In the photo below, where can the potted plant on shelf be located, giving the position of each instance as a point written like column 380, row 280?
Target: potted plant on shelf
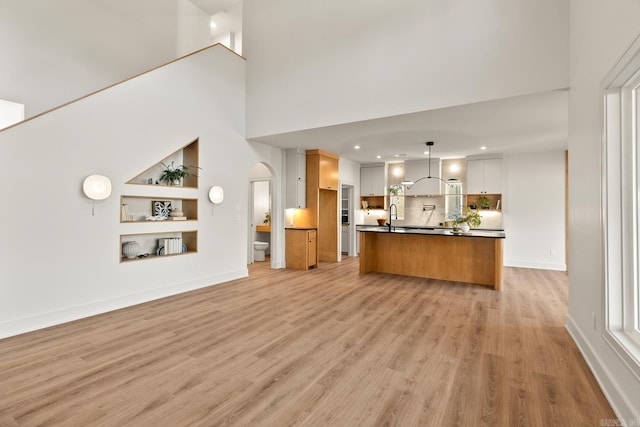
column 395, row 190
column 465, row 220
column 484, row 202
column 173, row 175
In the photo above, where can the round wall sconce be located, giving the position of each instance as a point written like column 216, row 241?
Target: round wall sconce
column 216, row 195
column 96, row 187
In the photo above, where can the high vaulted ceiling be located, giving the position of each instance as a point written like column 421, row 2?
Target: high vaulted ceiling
column 529, row 123
column 226, row 13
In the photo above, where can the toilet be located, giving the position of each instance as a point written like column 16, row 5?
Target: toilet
column 259, row 249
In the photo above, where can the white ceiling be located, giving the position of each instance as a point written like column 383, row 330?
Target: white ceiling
column 536, row 122
column 529, row 123
column 212, row 7
column 227, row 15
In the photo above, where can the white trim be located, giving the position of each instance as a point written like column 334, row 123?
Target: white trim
column 45, row 320
column 622, row 344
column 273, row 212
column 537, row 265
column 278, row 264
column 619, row 208
column 623, row 409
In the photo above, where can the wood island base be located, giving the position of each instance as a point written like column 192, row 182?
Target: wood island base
column 475, row 260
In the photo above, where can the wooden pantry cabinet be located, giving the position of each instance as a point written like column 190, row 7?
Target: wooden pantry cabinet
column 322, row 201
column 301, row 248
column 322, row 170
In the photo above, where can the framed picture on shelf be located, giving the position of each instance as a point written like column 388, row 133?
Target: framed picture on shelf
column 161, row 208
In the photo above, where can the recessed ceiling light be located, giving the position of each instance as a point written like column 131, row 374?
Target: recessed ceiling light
column 483, row 148
column 378, row 157
column 357, row 147
column 399, row 155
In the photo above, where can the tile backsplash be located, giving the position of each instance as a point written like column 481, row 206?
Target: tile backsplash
column 426, row 211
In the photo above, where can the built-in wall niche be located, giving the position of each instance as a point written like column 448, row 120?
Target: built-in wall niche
column 187, row 156
column 139, row 208
column 157, row 245
column 493, row 200
column 372, row 202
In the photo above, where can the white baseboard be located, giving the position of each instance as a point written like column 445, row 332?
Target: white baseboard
column 45, row 320
column 537, row 265
column 616, row 397
column 278, row 264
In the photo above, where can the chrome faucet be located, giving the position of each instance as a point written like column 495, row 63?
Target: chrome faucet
column 392, row 205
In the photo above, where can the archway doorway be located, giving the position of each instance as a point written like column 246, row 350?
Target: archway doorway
column 260, row 214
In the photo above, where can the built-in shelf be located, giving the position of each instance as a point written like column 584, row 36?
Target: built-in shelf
column 150, row 244
column 187, row 156
column 379, row 202
column 167, row 232
column 137, row 208
column 372, row 202
column 495, row 200
column 263, row 228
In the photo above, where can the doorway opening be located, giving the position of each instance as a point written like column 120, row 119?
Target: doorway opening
column 347, row 219
column 260, row 211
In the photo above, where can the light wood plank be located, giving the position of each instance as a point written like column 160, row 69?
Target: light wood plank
column 313, row 348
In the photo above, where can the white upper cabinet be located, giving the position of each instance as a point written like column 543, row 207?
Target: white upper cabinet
column 484, row 176
column 493, row 176
column 475, row 176
column 416, row 169
column 372, row 182
column 296, row 190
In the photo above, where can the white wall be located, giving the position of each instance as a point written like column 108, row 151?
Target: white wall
column 259, row 172
column 10, row 113
column 534, row 210
column 382, row 58
column 58, row 50
column 193, row 28
column 59, row 262
column 349, row 173
column 600, row 34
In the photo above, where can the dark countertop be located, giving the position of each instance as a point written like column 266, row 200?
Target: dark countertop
column 433, row 231
column 424, row 227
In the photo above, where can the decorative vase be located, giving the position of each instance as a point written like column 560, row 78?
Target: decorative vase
column 130, row 249
column 465, row 227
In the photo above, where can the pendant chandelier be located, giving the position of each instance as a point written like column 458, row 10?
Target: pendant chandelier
column 410, row 184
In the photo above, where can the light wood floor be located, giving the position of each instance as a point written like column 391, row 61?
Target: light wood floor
column 325, row 347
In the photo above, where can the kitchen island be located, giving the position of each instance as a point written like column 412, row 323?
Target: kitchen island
column 473, row 257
